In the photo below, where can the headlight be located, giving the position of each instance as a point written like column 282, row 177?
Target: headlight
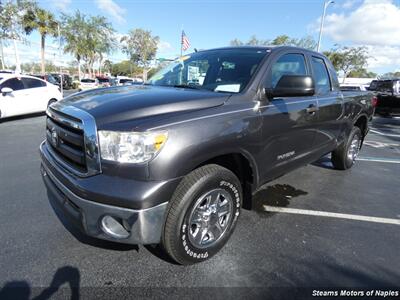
column 131, row 147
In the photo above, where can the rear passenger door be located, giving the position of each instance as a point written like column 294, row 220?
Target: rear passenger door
column 330, row 105
column 288, row 122
column 36, row 92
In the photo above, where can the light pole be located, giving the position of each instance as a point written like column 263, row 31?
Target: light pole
column 59, row 50
column 326, row 4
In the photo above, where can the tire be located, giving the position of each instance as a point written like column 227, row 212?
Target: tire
column 51, row 101
column 344, row 156
column 215, row 194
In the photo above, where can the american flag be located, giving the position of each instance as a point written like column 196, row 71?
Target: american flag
column 185, row 41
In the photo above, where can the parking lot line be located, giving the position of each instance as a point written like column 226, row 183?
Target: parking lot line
column 297, row 211
column 384, row 134
column 379, row 159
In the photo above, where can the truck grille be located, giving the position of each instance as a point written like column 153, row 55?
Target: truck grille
column 71, row 138
column 67, row 142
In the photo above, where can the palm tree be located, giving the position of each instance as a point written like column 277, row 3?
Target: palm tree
column 87, row 38
column 45, row 23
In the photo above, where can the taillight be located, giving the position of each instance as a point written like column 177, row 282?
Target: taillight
column 374, row 101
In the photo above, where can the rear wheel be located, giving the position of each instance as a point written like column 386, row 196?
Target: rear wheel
column 344, row 156
column 202, row 214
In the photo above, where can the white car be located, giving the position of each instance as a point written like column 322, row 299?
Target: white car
column 88, row 84
column 22, row 94
column 346, row 87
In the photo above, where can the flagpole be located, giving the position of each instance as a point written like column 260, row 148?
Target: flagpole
column 181, row 41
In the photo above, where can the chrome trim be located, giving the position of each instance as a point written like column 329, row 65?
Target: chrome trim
column 91, row 140
column 53, row 114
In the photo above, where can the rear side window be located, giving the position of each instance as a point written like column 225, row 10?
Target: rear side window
column 334, row 78
column 321, row 76
column 31, row 83
column 14, row 83
column 88, row 80
column 288, row 64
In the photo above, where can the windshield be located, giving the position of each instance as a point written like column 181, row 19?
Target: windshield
column 51, row 79
column 226, row 70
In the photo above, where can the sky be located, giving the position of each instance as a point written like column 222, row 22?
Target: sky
column 214, row 23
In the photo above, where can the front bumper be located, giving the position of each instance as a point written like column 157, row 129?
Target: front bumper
column 143, row 226
column 138, row 207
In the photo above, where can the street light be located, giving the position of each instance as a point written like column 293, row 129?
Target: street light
column 326, row 4
column 59, row 50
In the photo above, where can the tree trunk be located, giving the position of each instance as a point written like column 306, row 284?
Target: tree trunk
column 79, row 70
column 344, row 77
column 3, row 66
column 42, row 45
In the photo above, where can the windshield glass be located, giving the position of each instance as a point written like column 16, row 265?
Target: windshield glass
column 225, row 70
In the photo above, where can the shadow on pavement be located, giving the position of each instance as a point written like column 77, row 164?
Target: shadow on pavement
column 278, row 195
column 22, row 290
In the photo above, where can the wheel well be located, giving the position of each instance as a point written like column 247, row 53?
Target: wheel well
column 362, row 124
column 240, row 166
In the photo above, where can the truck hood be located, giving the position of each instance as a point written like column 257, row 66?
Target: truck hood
column 118, row 104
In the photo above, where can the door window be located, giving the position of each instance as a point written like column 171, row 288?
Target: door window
column 14, row 83
column 288, row 64
column 321, row 76
column 31, row 83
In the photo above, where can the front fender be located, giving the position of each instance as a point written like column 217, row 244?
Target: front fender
column 194, row 142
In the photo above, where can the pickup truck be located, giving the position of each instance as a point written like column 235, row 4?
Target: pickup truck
column 387, row 96
column 173, row 161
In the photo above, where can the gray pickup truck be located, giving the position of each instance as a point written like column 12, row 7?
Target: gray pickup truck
column 173, row 161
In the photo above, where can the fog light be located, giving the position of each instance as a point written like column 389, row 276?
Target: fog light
column 113, row 228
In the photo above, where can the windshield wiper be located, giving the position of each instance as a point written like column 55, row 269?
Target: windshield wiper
column 186, row 86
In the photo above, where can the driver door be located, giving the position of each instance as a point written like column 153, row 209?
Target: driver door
column 288, row 129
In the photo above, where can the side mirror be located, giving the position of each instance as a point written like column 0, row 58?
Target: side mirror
column 6, row 90
column 293, row 86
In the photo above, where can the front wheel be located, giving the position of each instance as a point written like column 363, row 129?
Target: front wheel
column 202, row 214
column 344, row 156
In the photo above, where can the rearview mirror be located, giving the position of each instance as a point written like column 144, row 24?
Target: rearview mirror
column 293, row 86
column 6, row 90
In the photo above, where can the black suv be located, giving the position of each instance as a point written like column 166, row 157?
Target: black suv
column 388, row 96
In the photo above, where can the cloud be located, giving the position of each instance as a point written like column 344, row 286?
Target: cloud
column 384, row 56
column 349, row 4
column 164, row 47
column 61, row 5
column 372, row 23
column 113, row 9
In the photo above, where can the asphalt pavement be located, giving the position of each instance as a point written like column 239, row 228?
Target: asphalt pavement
column 269, row 250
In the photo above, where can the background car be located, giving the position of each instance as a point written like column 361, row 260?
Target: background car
column 88, row 84
column 22, row 94
column 67, row 80
column 353, row 87
column 388, row 96
column 123, row 80
column 48, row 78
column 103, row 81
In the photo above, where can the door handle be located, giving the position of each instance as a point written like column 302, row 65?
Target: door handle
column 312, row 109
